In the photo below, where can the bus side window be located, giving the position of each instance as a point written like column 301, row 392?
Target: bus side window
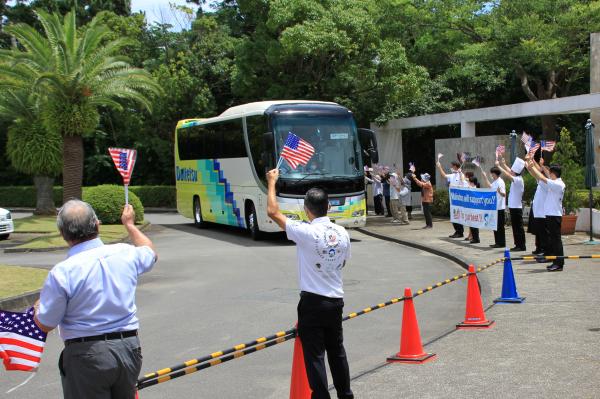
column 262, row 157
column 232, row 133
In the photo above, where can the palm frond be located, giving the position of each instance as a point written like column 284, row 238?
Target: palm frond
column 31, row 40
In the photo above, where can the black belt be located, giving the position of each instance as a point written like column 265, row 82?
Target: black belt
column 103, row 337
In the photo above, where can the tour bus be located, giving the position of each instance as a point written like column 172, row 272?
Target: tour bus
column 221, row 164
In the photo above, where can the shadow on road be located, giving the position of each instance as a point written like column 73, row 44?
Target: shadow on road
column 231, row 235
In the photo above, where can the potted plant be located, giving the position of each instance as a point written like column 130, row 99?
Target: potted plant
column 572, row 175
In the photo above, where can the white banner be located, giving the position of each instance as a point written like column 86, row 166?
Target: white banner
column 474, row 207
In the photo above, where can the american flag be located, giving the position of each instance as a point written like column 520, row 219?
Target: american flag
column 525, row 138
column 21, row 341
column 532, row 147
column 548, row 145
column 297, row 151
column 124, row 160
column 476, row 161
column 500, row 149
column 411, row 167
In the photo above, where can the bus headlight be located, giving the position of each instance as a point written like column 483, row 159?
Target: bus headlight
column 292, row 216
column 358, row 213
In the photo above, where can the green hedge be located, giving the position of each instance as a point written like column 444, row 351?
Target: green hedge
column 441, row 203
column 24, row 196
column 108, row 202
column 583, row 198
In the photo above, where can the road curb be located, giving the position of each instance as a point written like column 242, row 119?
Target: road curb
column 20, row 302
column 456, row 259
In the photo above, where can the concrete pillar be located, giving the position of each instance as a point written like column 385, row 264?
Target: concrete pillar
column 389, row 142
column 467, row 129
column 595, row 88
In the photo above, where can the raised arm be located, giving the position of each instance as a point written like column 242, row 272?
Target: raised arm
column 505, row 169
column 419, row 182
column 272, row 205
column 136, row 237
column 442, row 172
column 486, row 180
column 532, row 168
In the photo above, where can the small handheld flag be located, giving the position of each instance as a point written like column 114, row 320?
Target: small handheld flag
column 525, row 138
column 296, row 151
column 500, row 149
column 547, row 145
column 532, row 148
column 411, row 167
column 440, row 155
column 476, row 161
column 21, row 341
column 124, row 160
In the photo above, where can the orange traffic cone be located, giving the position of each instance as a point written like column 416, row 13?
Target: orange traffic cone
column 299, row 388
column 411, row 349
column 474, row 314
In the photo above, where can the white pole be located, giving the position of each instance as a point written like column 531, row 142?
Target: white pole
column 126, row 194
column 279, row 163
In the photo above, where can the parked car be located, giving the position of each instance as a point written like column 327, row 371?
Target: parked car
column 6, row 224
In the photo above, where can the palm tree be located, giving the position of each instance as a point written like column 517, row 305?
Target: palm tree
column 79, row 73
column 31, row 148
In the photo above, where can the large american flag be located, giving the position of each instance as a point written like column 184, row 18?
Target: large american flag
column 21, row 341
column 297, row 151
column 548, row 145
column 124, row 160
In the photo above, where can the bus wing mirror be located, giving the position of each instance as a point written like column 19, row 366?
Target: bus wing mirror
column 369, row 142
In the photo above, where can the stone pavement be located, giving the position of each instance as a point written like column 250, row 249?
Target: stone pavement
column 546, row 347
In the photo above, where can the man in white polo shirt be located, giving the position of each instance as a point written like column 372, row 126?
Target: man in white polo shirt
column 454, row 179
column 555, row 190
column 515, row 201
column 500, row 187
column 323, row 249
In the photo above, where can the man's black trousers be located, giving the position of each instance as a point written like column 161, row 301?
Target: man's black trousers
column 555, row 247
column 458, row 228
column 320, row 330
column 377, row 202
column 499, row 233
column 388, row 206
column 516, row 220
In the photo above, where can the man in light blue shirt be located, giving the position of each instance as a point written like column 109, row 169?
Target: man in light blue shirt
column 90, row 297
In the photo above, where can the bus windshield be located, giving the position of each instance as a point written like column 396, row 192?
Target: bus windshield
column 334, row 137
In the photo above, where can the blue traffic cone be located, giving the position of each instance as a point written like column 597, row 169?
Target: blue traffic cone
column 509, row 288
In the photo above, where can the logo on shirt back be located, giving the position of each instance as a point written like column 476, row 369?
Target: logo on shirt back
column 328, row 247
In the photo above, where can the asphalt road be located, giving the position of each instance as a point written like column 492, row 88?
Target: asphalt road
column 214, row 288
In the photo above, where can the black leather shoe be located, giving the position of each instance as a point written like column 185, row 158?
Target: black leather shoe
column 517, row 249
column 554, row 268
column 474, row 242
column 537, row 252
column 496, row 246
column 544, row 261
column 456, row 235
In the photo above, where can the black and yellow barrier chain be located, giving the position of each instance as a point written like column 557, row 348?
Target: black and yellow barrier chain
column 215, row 362
column 216, row 358
column 552, row 257
column 215, row 355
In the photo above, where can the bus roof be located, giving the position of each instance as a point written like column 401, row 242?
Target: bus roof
column 256, row 108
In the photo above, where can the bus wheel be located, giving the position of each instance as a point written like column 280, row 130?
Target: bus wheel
column 252, row 223
column 198, row 213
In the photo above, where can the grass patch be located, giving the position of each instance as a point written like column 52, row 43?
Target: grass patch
column 18, row 280
column 108, row 234
column 36, row 224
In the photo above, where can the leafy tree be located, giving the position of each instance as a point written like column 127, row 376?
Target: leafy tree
column 31, row 148
column 565, row 156
column 79, row 75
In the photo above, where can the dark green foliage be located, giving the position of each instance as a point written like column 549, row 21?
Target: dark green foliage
column 150, row 196
column 108, row 202
column 530, row 187
column 441, row 203
column 34, row 150
column 583, row 199
column 565, row 155
column 156, row 196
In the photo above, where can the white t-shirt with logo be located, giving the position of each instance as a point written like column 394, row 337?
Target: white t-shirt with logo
column 555, row 189
column 499, row 183
column 539, row 200
column 454, row 179
column 515, row 196
column 323, row 249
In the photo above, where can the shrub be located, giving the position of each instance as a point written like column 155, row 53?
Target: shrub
column 24, row 196
column 156, row 196
column 108, row 202
column 530, row 187
column 441, row 203
column 572, row 173
column 583, row 199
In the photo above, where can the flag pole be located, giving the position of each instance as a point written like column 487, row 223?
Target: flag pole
column 279, row 162
column 126, row 194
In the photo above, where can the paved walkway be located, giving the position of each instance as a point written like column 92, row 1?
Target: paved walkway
column 546, row 347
